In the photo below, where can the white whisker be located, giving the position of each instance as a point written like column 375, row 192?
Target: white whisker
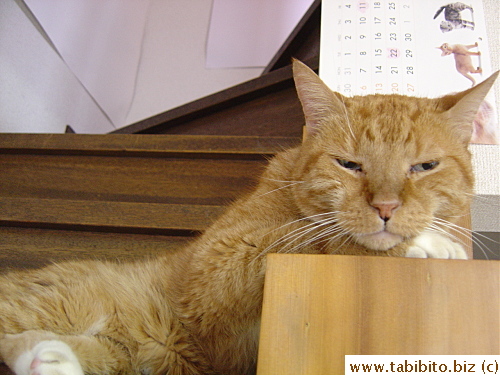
column 288, row 242
column 347, row 119
column 347, row 240
column 317, row 237
column 303, row 219
column 465, row 231
column 286, row 181
column 333, row 228
column 283, row 187
column 306, row 230
column 462, row 229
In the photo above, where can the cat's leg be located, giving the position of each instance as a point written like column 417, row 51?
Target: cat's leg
column 38, row 353
column 469, row 46
column 50, row 357
column 435, row 245
column 45, row 353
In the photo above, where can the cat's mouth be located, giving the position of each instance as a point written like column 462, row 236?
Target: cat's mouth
column 381, row 241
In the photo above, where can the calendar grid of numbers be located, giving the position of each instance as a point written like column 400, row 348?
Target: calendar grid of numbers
column 376, row 52
column 408, row 47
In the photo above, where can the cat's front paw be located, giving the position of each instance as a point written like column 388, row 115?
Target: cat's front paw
column 52, row 357
column 434, row 245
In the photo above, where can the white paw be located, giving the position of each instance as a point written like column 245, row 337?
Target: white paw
column 434, row 245
column 51, row 357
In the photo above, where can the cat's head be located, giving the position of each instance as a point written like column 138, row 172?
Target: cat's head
column 446, row 26
column 445, row 49
column 384, row 166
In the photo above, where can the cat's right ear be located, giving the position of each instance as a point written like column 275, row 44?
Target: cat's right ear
column 319, row 103
column 461, row 108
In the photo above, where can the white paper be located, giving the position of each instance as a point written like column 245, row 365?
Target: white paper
column 39, row 94
column 101, row 43
column 248, row 33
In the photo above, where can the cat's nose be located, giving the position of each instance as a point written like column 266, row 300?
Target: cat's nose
column 386, row 208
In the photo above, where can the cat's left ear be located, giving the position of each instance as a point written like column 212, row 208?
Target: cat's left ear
column 318, row 101
column 461, row 108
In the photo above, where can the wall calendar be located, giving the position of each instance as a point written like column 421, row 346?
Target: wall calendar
column 410, row 47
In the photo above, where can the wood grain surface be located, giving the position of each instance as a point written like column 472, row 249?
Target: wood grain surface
column 318, row 308
column 118, row 196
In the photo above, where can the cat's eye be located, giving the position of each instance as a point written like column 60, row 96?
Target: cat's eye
column 423, row 167
column 349, row 165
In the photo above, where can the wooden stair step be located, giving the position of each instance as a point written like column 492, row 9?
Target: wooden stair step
column 264, row 106
column 122, row 217
column 167, row 169
column 36, row 247
column 159, row 145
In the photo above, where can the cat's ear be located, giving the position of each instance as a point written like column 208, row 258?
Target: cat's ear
column 318, row 101
column 460, row 109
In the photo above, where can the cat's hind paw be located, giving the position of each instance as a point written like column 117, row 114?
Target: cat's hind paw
column 52, row 357
column 434, row 245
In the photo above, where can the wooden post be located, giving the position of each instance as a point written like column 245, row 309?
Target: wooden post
column 319, row 308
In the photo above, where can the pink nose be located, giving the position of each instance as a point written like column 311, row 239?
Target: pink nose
column 386, row 208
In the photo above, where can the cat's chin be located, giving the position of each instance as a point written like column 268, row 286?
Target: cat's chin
column 380, row 241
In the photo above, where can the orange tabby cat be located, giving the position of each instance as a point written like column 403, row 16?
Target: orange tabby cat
column 377, row 175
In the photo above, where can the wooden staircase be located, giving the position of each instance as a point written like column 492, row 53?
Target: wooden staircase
column 151, row 186
column 72, row 196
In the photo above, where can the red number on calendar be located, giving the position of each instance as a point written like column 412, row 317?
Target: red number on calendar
column 393, row 53
column 362, row 6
